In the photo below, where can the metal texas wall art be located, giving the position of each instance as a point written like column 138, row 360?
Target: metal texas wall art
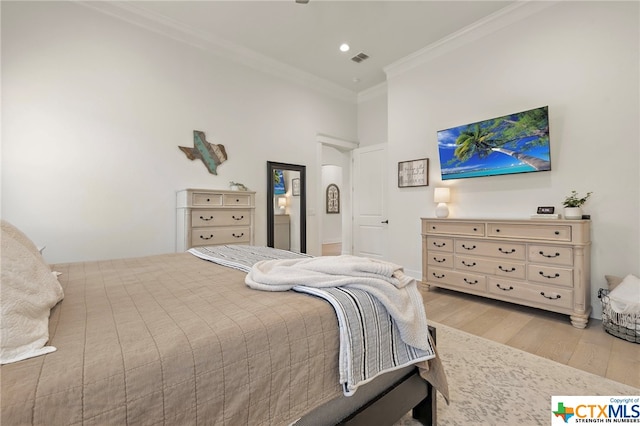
column 212, row 155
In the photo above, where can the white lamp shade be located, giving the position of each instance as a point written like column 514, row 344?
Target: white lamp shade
column 282, row 202
column 441, row 195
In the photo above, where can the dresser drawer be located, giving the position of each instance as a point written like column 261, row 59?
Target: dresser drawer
column 239, row 199
column 477, row 283
column 200, row 218
column 531, row 231
column 455, row 228
column 550, row 254
column 215, row 236
column 540, row 294
column 205, row 199
column 501, row 249
column 493, row 267
column 444, row 260
column 550, row 275
column 440, row 244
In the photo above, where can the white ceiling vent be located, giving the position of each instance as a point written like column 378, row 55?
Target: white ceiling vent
column 360, row 57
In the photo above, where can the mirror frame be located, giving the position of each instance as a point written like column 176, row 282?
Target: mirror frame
column 271, row 166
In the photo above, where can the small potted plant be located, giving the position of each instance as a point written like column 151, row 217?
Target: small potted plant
column 573, row 205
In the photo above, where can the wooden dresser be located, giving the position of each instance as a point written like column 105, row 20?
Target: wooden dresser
column 540, row 263
column 209, row 217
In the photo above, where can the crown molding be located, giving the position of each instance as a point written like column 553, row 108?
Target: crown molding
column 151, row 21
column 488, row 25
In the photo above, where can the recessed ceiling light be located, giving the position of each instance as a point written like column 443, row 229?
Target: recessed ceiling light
column 344, row 47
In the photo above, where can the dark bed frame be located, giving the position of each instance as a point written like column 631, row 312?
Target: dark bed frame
column 410, row 393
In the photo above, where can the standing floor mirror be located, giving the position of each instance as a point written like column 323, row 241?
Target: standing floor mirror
column 286, row 206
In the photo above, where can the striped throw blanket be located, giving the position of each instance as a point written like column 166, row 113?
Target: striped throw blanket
column 371, row 343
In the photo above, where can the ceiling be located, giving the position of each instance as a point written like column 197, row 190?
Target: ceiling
column 306, row 37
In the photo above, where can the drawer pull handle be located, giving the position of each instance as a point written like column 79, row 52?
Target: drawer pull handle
column 549, row 255
column 439, row 244
column 475, row 229
column 202, row 237
column 556, row 275
column 501, row 250
column 433, row 227
column 505, row 269
column 468, row 248
column 208, row 199
column 557, row 232
column 470, row 265
column 557, row 296
column 474, row 282
column 504, row 288
column 497, row 230
column 438, row 276
column 237, row 200
column 206, row 218
column 237, row 218
column 238, row 236
column 439, row 260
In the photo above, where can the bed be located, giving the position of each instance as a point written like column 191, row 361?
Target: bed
column 172, row 339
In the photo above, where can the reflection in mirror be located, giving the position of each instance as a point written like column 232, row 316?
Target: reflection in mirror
column 286, row 206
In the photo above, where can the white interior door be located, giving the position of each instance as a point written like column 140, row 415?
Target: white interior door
column 370, row 180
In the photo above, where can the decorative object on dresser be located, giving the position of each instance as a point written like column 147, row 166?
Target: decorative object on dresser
column 208, row 217
column 573, row 205
column 539, row 263
column 441, row 196
column 212, row 155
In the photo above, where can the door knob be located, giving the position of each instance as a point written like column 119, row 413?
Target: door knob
column 385, row 221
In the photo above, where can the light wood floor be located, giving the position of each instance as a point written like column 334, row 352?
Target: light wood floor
column 542, row 333
column 334, row 249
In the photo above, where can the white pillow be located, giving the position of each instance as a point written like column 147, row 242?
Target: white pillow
column 29, row 290
column 625, row 298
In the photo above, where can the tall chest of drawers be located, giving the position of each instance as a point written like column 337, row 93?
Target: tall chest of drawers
column 539, row 263
column 207, row 217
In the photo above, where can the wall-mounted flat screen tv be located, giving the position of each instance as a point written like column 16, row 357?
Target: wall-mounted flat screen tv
column 514, row 143
column 278, row 183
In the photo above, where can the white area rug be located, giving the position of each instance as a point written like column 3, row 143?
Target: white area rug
column 494, row 384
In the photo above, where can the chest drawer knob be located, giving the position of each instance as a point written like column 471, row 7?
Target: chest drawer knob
column 468, row 248
column 470, row 265
column 206, row 218
column 475, row 229
column 549, row 255
column 238, row 236
column 504, row 288
column 503, row 251
column 439, row 244
column 557, row 232
column 234, row 217
column 439, row 260
column 203, row 237
column 498, row 230
column 556, row 275
column 503, row 269
column 437, row 276
column 557, row 296
column 471, row 282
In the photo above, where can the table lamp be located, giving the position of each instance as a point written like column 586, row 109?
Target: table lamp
column 441, row 196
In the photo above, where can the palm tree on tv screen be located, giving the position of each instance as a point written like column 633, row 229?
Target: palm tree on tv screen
column 503, row 135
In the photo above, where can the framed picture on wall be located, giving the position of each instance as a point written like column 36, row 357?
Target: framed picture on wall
column 295, row 186
column 333, row 199
column 413, row 173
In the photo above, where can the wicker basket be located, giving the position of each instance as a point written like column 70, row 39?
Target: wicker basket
column 624, row 326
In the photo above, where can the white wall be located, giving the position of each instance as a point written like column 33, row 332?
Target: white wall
column 93, row 111
column 373, row 117
column 580, row 58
